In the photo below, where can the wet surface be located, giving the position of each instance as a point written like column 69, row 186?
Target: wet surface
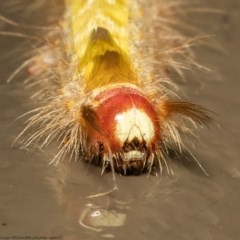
column 41, row 200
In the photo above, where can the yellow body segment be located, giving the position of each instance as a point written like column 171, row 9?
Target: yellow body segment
column 100, row 33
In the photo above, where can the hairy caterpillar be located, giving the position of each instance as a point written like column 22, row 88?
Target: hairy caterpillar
column 105, row 85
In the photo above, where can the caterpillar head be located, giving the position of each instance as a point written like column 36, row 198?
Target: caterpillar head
column 125, row 130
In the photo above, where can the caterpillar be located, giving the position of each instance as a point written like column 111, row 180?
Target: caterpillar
column 105, row 84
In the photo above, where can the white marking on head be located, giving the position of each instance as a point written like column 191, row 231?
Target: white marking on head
column 134, row 123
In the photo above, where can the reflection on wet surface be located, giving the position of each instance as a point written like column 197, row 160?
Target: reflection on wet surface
column 38, row 199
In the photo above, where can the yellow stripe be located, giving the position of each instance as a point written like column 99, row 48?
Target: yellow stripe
column 100, row 33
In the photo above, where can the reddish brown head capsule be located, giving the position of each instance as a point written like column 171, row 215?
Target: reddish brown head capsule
column 127, row 131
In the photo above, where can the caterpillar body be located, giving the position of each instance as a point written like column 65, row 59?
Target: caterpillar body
column 104, row 85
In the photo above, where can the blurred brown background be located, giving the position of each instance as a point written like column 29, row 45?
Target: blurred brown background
column 188, row 205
